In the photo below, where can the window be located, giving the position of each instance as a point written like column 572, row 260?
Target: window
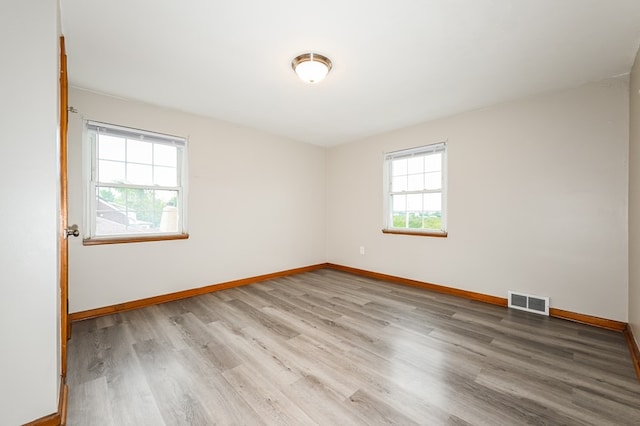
column 136, row 185
column 415, row 191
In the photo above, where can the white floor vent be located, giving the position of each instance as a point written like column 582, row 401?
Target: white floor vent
column 526, row 302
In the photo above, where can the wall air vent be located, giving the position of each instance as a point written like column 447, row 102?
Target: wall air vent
column 526, row 302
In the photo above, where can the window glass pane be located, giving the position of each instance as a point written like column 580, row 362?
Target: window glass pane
column 399, row 167
column 433, row 163
column 433, row 180
column 432, row 220
column 414, row 220
column 139, row 174
column 415, row 165
column 415, row 182
column 398, row 203
column 112, row 212
column 398, row 209
column 168, row 197
column 139, row 151
column 399, row 220
column 107, row 195
column 433, row 202
column 165, row 155
column 398, row 183
column 169, row 215
column 414, row 202
column 111, row 171
column 110, row 148
column 132, row 210
column 165, row 176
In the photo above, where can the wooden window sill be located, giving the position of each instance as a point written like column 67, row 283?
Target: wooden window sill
column 136, row 239
column 438, row 234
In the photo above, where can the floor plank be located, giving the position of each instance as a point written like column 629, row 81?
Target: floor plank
column 327, row 347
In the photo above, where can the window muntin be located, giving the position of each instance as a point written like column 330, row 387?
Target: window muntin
column 415, row 189
column 136, row 183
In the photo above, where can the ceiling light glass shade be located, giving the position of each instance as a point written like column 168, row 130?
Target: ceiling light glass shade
column 311, row 67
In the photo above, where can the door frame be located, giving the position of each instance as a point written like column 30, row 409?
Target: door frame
column 63, row 255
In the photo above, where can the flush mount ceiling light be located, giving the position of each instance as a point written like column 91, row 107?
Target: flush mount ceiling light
column 311, row 67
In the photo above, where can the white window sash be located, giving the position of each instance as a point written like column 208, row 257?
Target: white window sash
column 93, row 129
column 416, row 152
column 422, row 191
column 129, row 133
column 422, row 151
column 133, row 186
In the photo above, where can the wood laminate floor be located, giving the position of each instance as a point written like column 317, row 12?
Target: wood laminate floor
column 331, row 348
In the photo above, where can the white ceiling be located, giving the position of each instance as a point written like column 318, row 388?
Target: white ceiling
column 395, row 63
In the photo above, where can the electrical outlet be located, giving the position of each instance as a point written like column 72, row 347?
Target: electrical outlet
column 361, row 249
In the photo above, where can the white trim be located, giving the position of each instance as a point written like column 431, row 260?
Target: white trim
column 426, row 150
column 128, row 185
column 417, row 151
column 445, row 188
column 131, row 133
column 91, row 130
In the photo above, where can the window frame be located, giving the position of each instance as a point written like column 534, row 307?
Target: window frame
column 422, row 151
column 91, row 129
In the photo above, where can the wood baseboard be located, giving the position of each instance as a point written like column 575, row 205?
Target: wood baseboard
column 480, row 297
column 60, row 417
column 494, row 300
column 149, row 301
column 588, row 319
column 633, row 349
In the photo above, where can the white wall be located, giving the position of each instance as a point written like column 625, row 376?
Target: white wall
column 634, row 199
column 28, row 217
column 256, row 206
column 537, row 201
